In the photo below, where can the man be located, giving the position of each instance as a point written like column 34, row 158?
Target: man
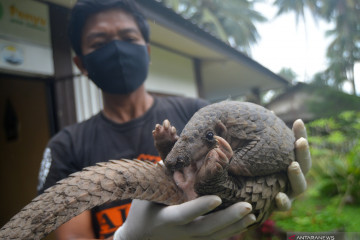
column 111, row 42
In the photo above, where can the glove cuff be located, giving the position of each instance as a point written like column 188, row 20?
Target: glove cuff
column 117, row 234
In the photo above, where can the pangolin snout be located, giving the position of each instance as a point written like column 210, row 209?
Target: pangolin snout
column 177, row 163
column 181, row 162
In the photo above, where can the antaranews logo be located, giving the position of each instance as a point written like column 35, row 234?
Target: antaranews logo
column 315, row 236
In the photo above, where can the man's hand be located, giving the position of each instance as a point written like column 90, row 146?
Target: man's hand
column 147, row 220
column 298, row 169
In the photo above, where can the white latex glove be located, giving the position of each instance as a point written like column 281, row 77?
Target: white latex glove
column 151, row 221
column 297, row 169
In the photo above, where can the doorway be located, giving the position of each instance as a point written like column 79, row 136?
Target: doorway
column 25, row 131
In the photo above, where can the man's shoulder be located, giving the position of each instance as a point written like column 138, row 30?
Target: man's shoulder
column 93, row 120
column 175, row 107
column 78, row 128
column 182, row 102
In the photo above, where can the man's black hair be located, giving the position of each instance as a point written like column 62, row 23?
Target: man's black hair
column 83, row 9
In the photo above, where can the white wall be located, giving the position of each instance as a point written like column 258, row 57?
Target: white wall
column 88, row 97
column 171, row 73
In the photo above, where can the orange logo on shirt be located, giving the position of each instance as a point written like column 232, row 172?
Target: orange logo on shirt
column 151, row 158
column 112, row 218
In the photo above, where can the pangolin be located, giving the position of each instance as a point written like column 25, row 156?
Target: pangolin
column 236, row 150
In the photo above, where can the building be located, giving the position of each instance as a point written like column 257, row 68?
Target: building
column 311, row 102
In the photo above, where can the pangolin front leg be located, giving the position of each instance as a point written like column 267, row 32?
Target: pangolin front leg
column 211, row 169
column 214, row 176
column 164, row 138
column 207, row 175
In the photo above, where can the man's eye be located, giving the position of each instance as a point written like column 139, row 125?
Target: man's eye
column 209, row 136
column 130, row 39
column 98, row 45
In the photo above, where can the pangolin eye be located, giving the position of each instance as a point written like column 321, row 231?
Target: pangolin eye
column 209, row 136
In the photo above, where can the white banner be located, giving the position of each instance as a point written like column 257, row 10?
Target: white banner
column 26, row 59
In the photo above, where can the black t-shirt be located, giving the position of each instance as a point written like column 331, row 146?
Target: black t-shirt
column 98, row 139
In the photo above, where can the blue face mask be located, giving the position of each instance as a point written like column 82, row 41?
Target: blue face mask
column 118, row 67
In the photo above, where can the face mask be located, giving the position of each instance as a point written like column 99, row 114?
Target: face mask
column 118, row 67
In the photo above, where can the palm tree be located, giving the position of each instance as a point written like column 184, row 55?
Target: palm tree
column 297, row 6
column 288, row 74
column 232, row 21
column 344, row 51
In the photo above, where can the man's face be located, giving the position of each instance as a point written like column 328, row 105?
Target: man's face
column 106, row 26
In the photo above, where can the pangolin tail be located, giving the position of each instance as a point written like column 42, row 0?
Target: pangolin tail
column 96, row 185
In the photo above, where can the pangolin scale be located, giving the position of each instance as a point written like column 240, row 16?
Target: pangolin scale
column 255, row 172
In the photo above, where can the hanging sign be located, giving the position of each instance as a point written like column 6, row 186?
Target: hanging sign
column 25, row 20
column 25, row 45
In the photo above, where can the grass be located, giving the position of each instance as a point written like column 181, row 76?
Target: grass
column 313, row 213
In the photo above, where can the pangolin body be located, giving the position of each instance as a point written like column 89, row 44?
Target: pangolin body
column 256, row 171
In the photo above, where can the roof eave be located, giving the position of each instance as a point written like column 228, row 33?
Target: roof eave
column 159, row 13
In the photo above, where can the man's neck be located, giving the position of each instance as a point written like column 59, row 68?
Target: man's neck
column 124, row 108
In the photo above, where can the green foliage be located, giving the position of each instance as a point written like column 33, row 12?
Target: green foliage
column 233, row 21
column 344, row 49
column 335, row 149
column 332, row 201
column 326, row 101
column 288, row 74
column 318, row 214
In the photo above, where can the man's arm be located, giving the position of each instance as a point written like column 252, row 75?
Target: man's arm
column 78, row 228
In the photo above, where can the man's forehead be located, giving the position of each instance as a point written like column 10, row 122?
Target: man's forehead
column 110, row 18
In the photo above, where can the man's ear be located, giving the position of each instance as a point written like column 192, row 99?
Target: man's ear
column 77, row 60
